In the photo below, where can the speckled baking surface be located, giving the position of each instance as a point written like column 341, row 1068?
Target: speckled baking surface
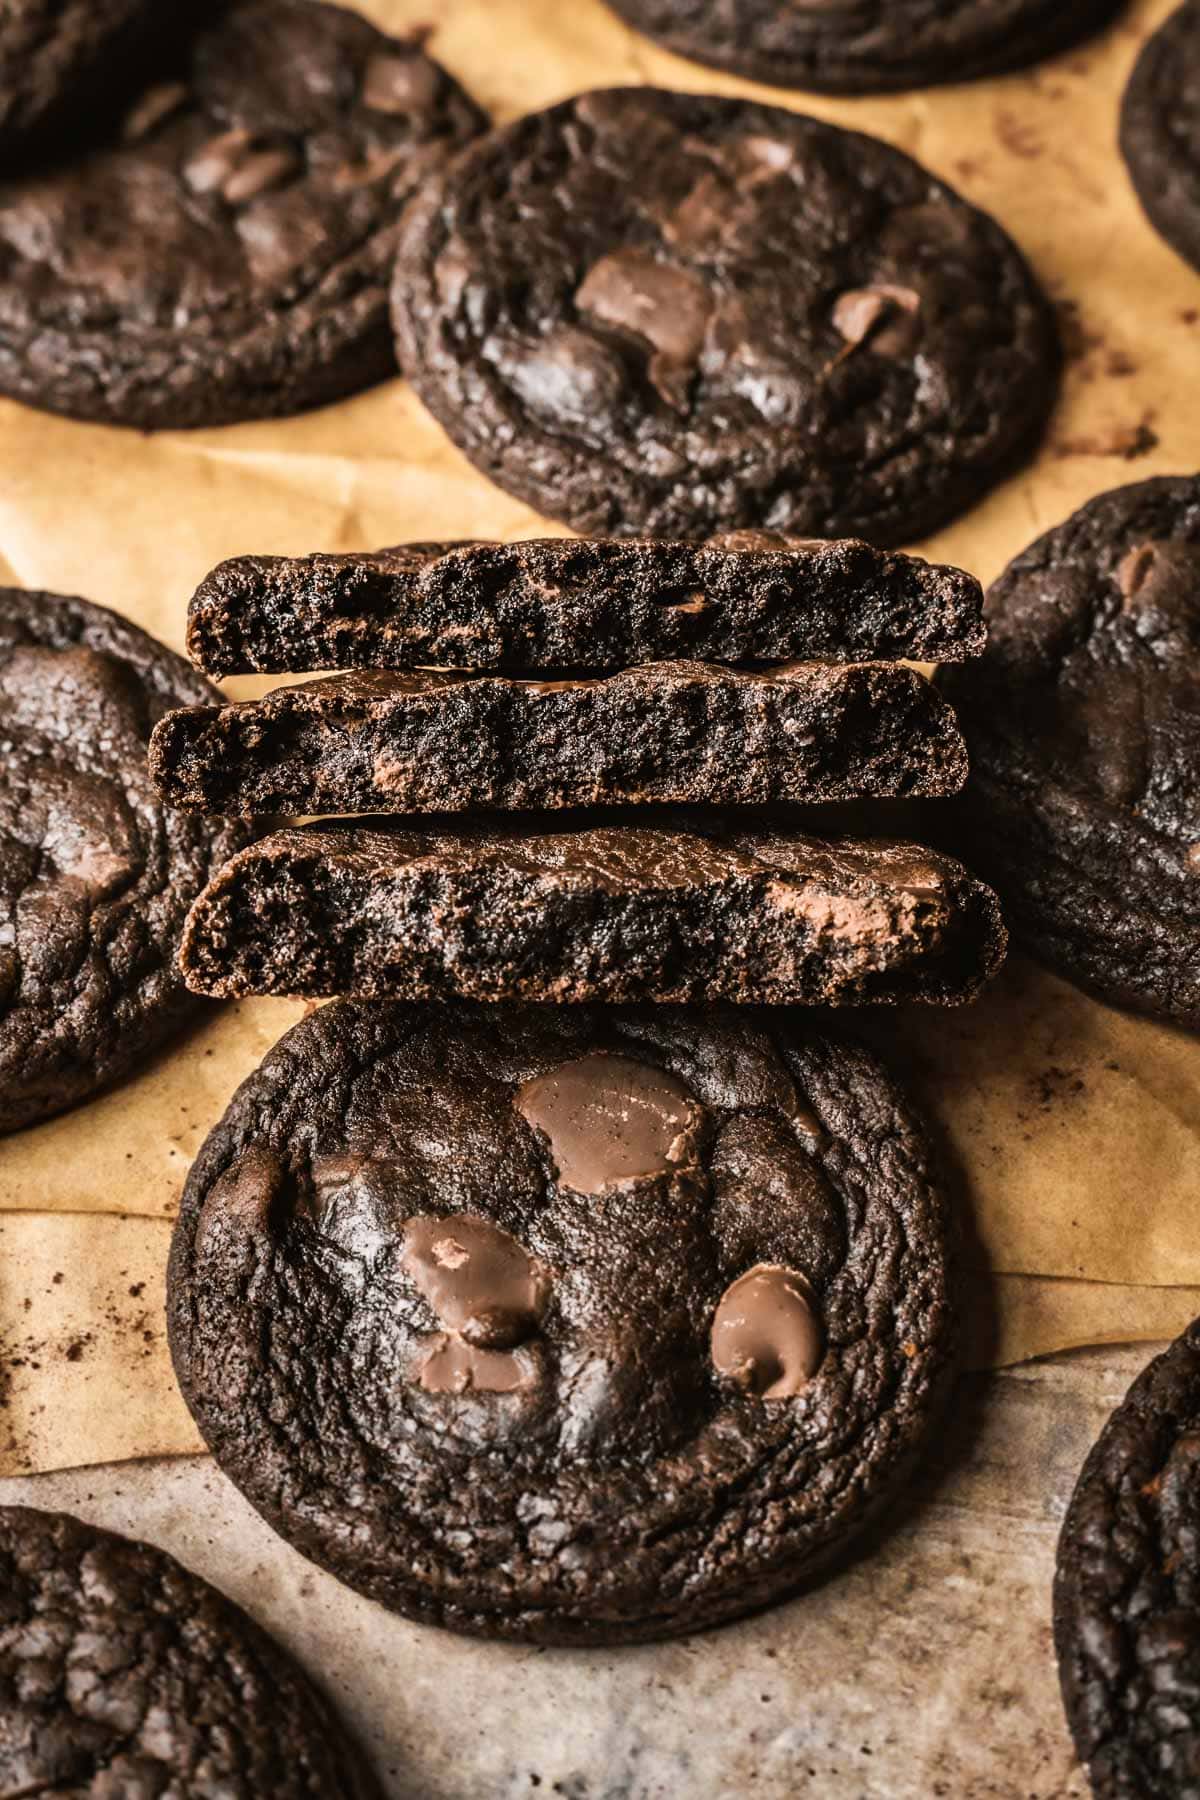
column 926, row 1668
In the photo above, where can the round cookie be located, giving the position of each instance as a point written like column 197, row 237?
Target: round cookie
column 865, row 46
column 56, row 54
column 557, row 1324
column 124, row 1677
column 676, row 315
column 1127, row 1590
column 96, row 874
column 1160, row 130
column 1082, row 719
column 249, row 200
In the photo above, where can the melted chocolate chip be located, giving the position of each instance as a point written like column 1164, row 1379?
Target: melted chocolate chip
column 454, row 1366
column 152, row 109
column 765, row 1333
column 478, row 1280
column 399, row 84
column 885, row 317
column 610, row 1120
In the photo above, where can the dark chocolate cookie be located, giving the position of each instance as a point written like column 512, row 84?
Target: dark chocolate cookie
column 249, row 203
column 664, row 732
column 1083, row 723
column 1160, row 130
column 1127, row 1590
column 124, row 1677
column 562, row 1324
column 55, row 56
column 866, row 46
column 624, row 912
column 670, row 315
column 567, row 603
column 96, row 875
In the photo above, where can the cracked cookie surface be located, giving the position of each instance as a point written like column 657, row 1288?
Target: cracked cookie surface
column 250, row 199
column 866, row 46
column 1082, row 720
column 1127, row 1590
column 124, row 1677
column 96, row 874
column 458, row 1298
column 671, row 315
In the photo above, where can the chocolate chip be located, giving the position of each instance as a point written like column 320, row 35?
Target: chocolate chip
column 659, row 305
column 212, row 165
column 886, row 317
column 152, row 108
column 259, row 172
column 765, row 1333
column 241, row 165
column 399, row 84
column 482, row 1285
column 609, row 1120
column 453, row 1366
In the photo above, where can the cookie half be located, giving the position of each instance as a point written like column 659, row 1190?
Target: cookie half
column 679, row 732
column 567, row 604
column 861, row 46
column 561, row 1324
column 672, row 315
column 249, row 200
column 1127, row 1590
column 1160, row 130
column 1083, row 722
column 96, row 874
column 123, row 1676
column 620, row 912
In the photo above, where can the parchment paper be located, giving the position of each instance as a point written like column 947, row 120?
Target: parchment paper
column 1071, row 1131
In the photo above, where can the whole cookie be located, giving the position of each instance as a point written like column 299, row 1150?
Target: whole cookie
column 96, row 874
column 675, row 315
column 124, row 1677
column 866, row 46
column 573, row 1326
column 249, row 202
column 1160, row 130
column 56, row 56
column 1083, row 724
column 1127, row 1590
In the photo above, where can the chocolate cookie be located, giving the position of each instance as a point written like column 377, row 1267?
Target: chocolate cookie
column 1127, row 1590
column 437, row 742
column 864, row 46
column 249, row 202
column 55, row 55
column 563, row 603
column 124, row 1677
column 669, row 315
column 562, row 1324
column 1160, row 130
column 1083, row 722
column 617, row 912
column 96, row 875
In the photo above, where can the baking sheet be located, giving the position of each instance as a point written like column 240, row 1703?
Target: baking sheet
column 1070, row 1131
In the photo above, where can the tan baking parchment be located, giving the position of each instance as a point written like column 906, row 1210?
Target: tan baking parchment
column 1072, row 1129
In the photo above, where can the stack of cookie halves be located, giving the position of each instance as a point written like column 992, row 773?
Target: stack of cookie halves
column 594, row 755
